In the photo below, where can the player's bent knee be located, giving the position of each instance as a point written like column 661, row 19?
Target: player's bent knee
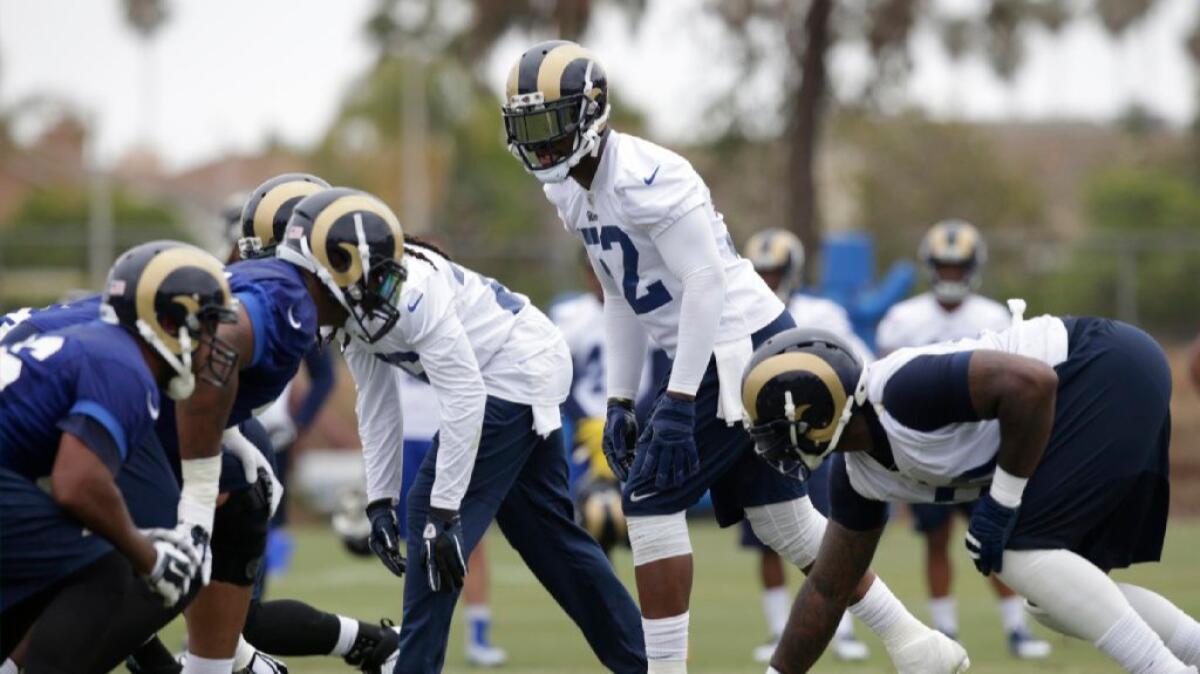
column 655, row 537
column 240, row 536
column 1042, row 616
column 793, row 528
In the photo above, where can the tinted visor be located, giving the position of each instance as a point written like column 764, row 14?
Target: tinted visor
column 541, row 133
column 378, row 309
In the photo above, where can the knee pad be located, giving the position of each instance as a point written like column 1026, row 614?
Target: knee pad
column 240, row 535
column 793, row 528
column 655, row 537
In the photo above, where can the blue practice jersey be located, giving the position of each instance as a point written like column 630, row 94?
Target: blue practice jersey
column 284, row 318
column 89, row 379
column 22, row 323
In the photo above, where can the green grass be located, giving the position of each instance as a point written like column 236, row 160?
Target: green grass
column 726, row 619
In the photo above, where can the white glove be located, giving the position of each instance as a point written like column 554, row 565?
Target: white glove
column 261, row 663
column 175, row 565
column 253, row 461
column 932, row 653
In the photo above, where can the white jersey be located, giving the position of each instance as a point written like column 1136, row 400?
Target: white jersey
column 640, row 189
column 419, row 406
column 818, row 312
column 953, row 463
column 470, row 337
column 920, row 320
column 581, row 320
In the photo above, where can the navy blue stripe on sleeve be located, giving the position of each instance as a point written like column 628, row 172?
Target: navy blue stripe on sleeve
column 849, row 508
column 931, row 391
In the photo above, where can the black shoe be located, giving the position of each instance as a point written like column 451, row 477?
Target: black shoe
column 372, row 646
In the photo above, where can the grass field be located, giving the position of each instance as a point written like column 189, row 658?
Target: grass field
column 726, row 619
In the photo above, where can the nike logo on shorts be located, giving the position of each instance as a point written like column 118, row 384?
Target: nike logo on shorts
column 636, row 497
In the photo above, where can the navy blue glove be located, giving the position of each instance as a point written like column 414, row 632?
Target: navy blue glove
column 442, row 555
column 620, row 437
column 988, row 532
column 385, row 535
column 667, row 448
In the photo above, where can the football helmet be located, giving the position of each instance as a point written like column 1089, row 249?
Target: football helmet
column 350, row 521
column 268, row 208
column 799, row 391
column 556, row 108
column 172, row 295
column 777, row 252
column 353, row 243
column 953, row 243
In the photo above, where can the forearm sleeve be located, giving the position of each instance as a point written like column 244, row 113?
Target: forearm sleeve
column 690, row 252
column 380, row 423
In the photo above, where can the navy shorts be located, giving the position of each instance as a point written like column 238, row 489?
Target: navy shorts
column 40, row 544
column 929, row 517
column 729, row 467
column 1101, row 489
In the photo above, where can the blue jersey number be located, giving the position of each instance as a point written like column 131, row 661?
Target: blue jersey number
column 504, row 297
column 656, row 294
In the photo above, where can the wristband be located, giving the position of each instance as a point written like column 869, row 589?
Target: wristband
column 1007, row 488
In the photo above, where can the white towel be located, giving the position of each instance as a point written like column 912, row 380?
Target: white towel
column 546, row 419
column 732, row 358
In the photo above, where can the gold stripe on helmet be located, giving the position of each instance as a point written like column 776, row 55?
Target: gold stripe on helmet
column 158, row 269
column 514, row 75
column 792, row 361
column 550, row 73
column 268, row 206
column 330, row 215
column 966, row 239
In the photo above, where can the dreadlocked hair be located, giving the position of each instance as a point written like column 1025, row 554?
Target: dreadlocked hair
column 412, row 243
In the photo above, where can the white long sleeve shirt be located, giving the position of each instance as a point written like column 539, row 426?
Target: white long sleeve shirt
column 471, row 338
column 640, row 192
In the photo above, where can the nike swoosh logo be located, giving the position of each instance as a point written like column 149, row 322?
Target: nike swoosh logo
column 292, row 318
column 413, row 305
column 150, row 406
column 635, row 497
column 652, row 175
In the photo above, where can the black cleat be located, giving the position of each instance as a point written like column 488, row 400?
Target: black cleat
column 373, row 645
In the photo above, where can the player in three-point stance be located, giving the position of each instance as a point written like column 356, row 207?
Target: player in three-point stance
column 670, row 271
column 500, row 371
column 75, row 404
column 1058, row 427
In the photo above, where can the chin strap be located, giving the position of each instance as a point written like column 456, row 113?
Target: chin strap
column 813, row 461
column 184, row 382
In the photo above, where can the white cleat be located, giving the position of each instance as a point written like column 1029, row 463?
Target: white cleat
column 849, row 649
column 934, row 653
column 764, row 651
column 479, row 655
column 1026, row 646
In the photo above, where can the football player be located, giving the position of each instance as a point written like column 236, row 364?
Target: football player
column 953, row 253
column 1058, row 427
column 778, row 257
column 500, row 371
column 670, row 271
column 75, row 405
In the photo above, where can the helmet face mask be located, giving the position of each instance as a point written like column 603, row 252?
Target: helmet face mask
column 556, row 109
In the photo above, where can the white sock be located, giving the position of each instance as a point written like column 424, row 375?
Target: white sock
column 9, row 667
column 666, row 644
column 775, row 609
column 194, row 664
column 1137, row 648
column 243, row 655
column 884, row 615
column 1012, row 614
column 845, row 628
column 346, row 635
column 1177, row 629
column 943, row 611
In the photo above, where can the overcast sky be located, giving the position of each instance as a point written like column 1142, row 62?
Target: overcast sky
column 227, row 73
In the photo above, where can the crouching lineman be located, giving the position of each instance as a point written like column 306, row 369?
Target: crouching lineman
column 670, row 270
column 74, row 404
column 500, row 371
column 953, row 253
column 778, row 257
column 1059, row 427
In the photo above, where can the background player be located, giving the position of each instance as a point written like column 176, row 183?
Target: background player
column 500, row 371
column 778, row 257
column 953, row 253
column 670, row 270
column 74, row 404
column 1059, row 427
